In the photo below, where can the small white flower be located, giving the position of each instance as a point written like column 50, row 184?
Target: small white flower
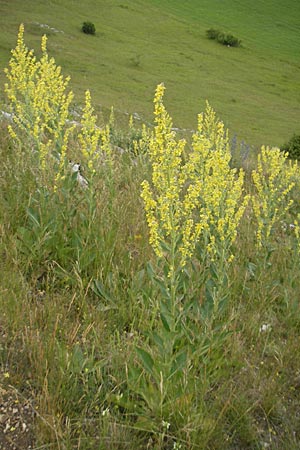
column 165, row 425
column 105, row 412
column 265, row 327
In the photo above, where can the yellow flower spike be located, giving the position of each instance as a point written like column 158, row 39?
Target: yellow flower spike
column 89, row 136
column 111, row 118
column 223, row 201
column 44, row 44
column 274, row 179
column 164, row 205
column 130, row 124
column 36, row 92
column 202, row 197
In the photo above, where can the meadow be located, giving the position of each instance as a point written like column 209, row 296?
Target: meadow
column 149, row 299
column 255, row 88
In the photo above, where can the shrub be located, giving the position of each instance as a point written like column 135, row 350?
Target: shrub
column 212, row 33
column 88, row 28
column 231, row 40
column 293, row 147
column 223, row 38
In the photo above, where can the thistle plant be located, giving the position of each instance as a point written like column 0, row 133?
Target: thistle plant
column 274, row 180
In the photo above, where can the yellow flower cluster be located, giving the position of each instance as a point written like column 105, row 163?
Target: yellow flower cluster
column 89, row 135
column 273, row 179
column 164, row 205
column 221, row 190
column 22, row 69
column 141, row 145
column 37, row 93
column 200, row 197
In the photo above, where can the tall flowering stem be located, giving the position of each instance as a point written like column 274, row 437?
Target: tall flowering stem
column 40, row 105
column 194, row 200
column 197, row 200
column 89, row 135
column 169, row 203
column 223, row 202
column 222, row 193
column 274, row 179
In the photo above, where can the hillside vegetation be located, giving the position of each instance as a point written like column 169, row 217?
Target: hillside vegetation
column 255, row 89
column 149, row 289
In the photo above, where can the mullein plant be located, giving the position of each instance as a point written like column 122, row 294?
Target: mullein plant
column 96, row 154
column 39, row 102
column 274, row 180
column 194, row 199
column 37, row 94
column 222, row 205
column 170, row 206
column 89, row 136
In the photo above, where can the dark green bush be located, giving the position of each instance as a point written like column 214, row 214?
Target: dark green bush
column 293, row 147
column 223, row 38
column 229, row 40
column 88, row 28
column 212, row 33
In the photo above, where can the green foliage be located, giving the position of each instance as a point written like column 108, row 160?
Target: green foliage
column 88, row 28
column 223, row 38
column 114, row 347
column 292, row 147
column 212, row 33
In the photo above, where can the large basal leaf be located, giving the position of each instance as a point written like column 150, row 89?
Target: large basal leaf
column 146, row 359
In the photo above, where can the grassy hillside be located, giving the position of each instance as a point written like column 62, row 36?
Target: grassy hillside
column 255, row 89
column 149, row 299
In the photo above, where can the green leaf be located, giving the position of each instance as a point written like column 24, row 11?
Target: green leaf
column 134, row 373
column 165, row 322
column 158, row 341
column 208, row 305
column 98, row 288
column 166, row 316
column 163, row 289
column 33, row 217
column 150, row 270
column 179, row 363
column 252, row 269
column 146, row 359
column 145, row 423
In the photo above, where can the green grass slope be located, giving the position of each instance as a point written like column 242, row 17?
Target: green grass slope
column 254, row 89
